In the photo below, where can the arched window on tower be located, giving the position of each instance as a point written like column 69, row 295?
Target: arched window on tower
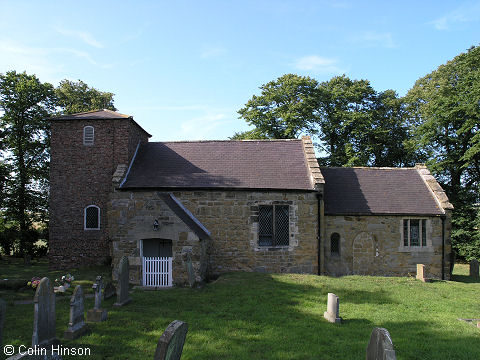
column 92, row 218
column 88, row 135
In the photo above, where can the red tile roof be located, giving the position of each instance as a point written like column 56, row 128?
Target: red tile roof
column 377, row 191
column 267, row 164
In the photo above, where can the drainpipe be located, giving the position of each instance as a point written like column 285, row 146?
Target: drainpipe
column 319, row 232
column 443, row 247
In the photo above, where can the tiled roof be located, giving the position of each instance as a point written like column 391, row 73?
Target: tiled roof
column 377, row 191
column 257, row 164
column 95, row 114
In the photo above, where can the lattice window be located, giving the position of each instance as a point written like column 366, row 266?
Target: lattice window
column 92, row 217
column 273, row 225
column 88, row 135
column 414, row 232
column 335, row 244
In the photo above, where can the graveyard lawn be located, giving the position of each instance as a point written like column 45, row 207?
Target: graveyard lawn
column 270, row 316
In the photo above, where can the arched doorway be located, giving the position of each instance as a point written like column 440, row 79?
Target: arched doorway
column 363, row 253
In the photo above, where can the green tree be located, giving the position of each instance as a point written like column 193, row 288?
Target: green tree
column 445, row 107
column 26, row 103
column 285, row 108
column 74, row 97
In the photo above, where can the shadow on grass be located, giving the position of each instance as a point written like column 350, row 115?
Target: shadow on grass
column 465, row 279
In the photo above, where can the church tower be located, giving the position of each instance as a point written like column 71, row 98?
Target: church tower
column 86, row 150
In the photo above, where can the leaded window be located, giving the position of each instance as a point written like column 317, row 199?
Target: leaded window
column 335, row 244
column 414, row 232
column 92, row 217
column 273, row 225
column 88, row 135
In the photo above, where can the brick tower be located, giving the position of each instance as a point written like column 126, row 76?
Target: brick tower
column 86, row 150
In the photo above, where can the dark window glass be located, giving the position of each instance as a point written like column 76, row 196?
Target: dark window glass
column 92, row 217
column 424, row 232
column 273, row 225
column 335, row 244
column 88, row 135
column 414, row 232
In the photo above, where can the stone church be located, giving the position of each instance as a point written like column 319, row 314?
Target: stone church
column 189, row 210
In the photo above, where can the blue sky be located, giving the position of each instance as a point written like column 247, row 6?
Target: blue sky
column 184, row 68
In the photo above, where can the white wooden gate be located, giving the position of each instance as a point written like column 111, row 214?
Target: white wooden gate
column 157, row 271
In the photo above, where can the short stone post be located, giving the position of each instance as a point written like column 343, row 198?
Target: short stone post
column 333, row 309
column 421, row 273
column 474, row 268
column 123, row 296
column 380, row 346
column 3, row 310
column 97, row 314
column 170, row 344
column 76, row 325
column 44, row 315
column 190, row 270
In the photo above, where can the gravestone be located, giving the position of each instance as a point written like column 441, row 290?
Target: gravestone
column 109, row 291
column 421, row 273
column 170, row 344
column 380, row 346
column 44, row 315
column 123, row 296
column 97, row 314
column 333, row 309
column 3, row 310
column 190, row 271
column 474, row 268
column 76, row 325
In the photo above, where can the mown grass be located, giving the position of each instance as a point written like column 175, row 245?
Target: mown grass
column 271, row 316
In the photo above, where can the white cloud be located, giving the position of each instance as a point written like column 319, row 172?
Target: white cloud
column 203, row 127
column 318, row 64
column 467, row 12
column 213, row 52
column 374, row 39
column 84, row 36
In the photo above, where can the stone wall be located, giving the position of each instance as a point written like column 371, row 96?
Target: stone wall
column 80, row 176
column 373, row 245
column 232, row 219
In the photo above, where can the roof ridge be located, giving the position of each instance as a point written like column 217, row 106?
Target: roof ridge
column 369, row 167
column 230, row 141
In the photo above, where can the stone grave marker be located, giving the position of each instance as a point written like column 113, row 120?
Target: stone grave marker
column 3, row 310
column 474, row 268
column 123, row 296
column 109, row 291
column 421, row 273
column 97, row 314
column 380, row 346
column 44, row 315
column 76, row 325
column 333, row 309
column 170, row 344
column 190, row 271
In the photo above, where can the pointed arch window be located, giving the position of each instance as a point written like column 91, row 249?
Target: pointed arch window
column 92, row 218
column 88, row 135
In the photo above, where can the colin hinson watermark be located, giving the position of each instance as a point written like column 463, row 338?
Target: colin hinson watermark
column 53, row 350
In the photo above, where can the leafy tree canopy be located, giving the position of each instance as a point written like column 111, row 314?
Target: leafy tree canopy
column 74, row 97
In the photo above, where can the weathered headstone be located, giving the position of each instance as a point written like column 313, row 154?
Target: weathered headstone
column 123, row 296
column 44, row 315
column 109, row 291
column 380, row 346
column 190, row 271
column 3, row 310
column 76, row 325
column 97, row 314
column 333, row 309
column 170, row 344
column 421, row 273
column 474, row 268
